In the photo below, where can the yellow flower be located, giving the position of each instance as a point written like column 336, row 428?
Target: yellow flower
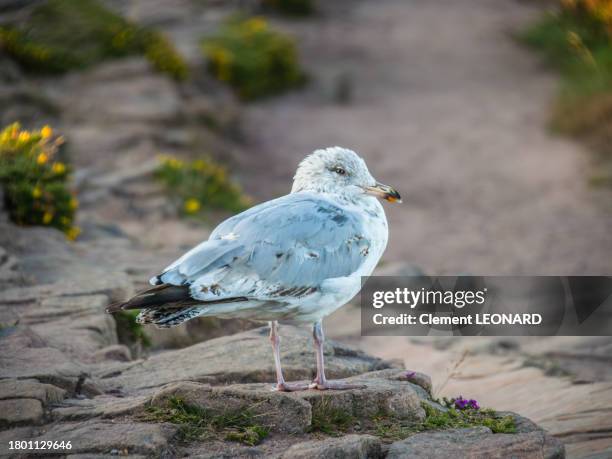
column 46, row 132
column 47, row 217
column 256, row 24
column 192, row 205
column 73, row 232
column 24, row 136
column 42, row 158
column 36, row 192
column 58, row 168
column 74, row 203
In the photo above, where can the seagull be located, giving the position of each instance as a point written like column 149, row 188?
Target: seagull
column 293, row 259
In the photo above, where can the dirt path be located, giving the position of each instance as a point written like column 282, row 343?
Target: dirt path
column 450, row 110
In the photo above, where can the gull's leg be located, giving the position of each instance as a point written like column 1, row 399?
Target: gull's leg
column 281, row 385
column 321, row 382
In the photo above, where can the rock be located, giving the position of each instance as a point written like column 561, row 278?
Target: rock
column 415, row 377
column 101, row 437
column 384, row 392
column 347, row 447
column 277, row 410
column 79, row 337
column 117, row 352
column 31, row 388
column 241, row 358
column 477, row 442
column 143, row 97
column 16, row 433
column 104, row 406
column 20, row 411
column 292, row 412
column 24, row 355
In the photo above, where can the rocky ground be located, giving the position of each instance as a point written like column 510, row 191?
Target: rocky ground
column 66, row 374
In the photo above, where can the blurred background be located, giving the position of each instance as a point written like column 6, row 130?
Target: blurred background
column 134, row 127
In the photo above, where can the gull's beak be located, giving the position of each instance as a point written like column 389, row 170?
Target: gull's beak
column 384, row 192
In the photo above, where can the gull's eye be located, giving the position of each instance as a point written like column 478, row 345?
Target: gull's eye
column 338, row 170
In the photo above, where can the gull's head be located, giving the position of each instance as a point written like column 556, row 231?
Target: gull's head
column 339, row 171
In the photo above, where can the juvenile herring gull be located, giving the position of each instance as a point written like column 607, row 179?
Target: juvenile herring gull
column 296, row 258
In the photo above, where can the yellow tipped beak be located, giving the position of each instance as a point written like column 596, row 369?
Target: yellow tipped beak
column 384, row 192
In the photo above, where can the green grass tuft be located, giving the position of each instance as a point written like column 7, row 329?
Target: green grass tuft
column 331, row 420
column 196, row 423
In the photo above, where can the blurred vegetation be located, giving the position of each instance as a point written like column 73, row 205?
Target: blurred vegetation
column 291, row 7
column 253, row 58
column 199, row 185
column 35, row 185
column 577, row 39
column 130, row 332
column 61, row 35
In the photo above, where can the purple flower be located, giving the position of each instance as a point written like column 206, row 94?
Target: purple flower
column 410, row 374
column 462, row 403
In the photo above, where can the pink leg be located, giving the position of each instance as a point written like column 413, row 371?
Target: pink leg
column 281, row 385
column 321, row 382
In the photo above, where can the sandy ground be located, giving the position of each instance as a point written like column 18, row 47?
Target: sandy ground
column 448, row 108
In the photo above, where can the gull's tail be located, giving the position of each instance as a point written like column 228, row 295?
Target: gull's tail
column 166, row 305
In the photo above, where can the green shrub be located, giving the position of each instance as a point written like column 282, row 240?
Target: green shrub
column 291, row 7
column 253, row 58
column 35, row 186
column 61, row 35
column 200, row 184
column 577, row 40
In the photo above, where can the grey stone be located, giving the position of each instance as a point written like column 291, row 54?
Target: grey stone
column 383, row 392
column 31, row 388
column 103, row 406
column 117, row 352
column 475, row 443
column 20, row 411
column 244, row 357
column 347, row 447
column 102, row 437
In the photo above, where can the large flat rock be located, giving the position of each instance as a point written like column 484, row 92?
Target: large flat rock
column 293, row 412
column 241, row 358
column 477, row 443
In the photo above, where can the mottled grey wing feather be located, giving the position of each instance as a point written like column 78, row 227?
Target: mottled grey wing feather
column 298, row 240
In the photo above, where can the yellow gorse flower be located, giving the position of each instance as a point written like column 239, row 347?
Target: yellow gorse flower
column 36, row 192
column 42, row 158
column 47, row 217
column 73, row 233
column 58, row 168
column 24, row 136
column 191, row 206
column 46, row 132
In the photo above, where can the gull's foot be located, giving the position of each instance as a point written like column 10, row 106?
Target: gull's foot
column 335, row 385
column 291, row 387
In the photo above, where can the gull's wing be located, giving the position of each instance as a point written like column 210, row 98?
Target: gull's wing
column 284, row 247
